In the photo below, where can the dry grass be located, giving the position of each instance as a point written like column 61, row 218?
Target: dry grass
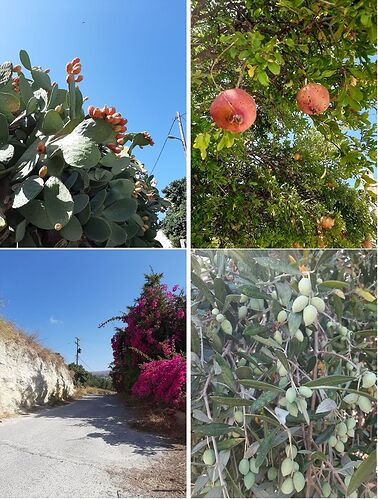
column 149, row 417
column 90, row 390
column 12, row 335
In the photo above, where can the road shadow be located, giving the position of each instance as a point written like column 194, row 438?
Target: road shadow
column 110, row 417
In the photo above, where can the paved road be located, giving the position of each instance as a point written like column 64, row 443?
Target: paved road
column 75, row 450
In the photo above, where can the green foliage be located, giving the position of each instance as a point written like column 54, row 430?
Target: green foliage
column 247, row 189
column 295, row 410
column 84, row 378
column 66, row 179
column 174, row 223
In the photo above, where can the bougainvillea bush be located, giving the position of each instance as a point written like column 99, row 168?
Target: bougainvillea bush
column 148, row 351
column 284, row 373
column 67, row 177
column 270, row 184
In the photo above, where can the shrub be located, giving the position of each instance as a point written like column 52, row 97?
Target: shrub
column 69, row 178
column 154, row 332
column 164, row 381
column 284, row 397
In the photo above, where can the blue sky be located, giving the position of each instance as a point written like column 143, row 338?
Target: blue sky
column 133, row 56
column 66, row 293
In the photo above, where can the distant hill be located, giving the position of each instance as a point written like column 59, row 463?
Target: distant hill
column 101, row 374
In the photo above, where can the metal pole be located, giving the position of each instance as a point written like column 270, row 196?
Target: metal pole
column 77, row 343
column 181, row 131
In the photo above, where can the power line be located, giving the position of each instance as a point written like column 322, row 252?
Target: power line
column 166, row 140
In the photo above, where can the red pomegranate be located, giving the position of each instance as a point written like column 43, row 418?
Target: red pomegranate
column 313, row 98
column 233, row 110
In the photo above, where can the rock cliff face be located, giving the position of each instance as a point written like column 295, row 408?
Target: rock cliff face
column 29, row 374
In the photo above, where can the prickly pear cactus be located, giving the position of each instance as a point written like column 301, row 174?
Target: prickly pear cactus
column 68, row 178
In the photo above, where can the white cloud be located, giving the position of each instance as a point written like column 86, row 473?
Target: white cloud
column 55, row 321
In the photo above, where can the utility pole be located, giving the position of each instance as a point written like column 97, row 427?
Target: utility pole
column 178, row 116
column 78, row 349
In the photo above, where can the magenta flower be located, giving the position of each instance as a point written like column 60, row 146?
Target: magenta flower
column 180, row 314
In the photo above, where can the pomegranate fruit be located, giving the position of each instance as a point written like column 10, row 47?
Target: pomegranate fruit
column 327, row 222
column 313, row 98
column 233, row 110
column 367, row 243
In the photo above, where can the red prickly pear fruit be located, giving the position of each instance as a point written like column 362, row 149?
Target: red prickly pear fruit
column 119, row 136
column 97, row 113
column 76, row 60
column 112, row 110
column 313, row 98
column 123, row 121
column 69, row 68
column 121, row 141
column 69, row 79
column 76, row 69
column 91, row 110
column 119, row 129
column 16, row 69
column 41, row 148
column 79, row 79
column 233, row 110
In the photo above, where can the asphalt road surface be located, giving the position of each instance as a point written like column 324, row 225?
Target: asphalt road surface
column 77, row 450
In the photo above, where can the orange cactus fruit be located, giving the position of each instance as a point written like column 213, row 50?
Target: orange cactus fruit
column 79, row 79
column 41, row 148
column 69, row 78
column 76, row 69
column 76, row 60
column 97, row 113
column 91, row 110
column 327, row 222
column 42, row 172
column 313, row 98
column 69, row 68
column 234, row 110
column 16, row 69
column 297, row 156
column 112, row 110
